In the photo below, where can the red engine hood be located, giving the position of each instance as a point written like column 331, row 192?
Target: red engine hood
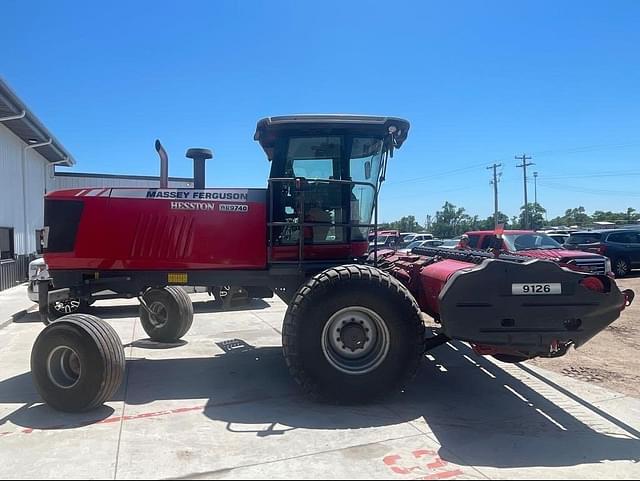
column 555, row 254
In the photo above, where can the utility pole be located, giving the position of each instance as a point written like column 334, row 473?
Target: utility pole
column 524, row 166
column 535, row 187
column 495, row 193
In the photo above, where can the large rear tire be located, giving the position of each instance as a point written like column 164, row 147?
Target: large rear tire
column 352, row 334
column 172, row 314
column 77, row 363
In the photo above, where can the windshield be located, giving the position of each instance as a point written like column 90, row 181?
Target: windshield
column 381, row 239
column 415, row 244
column 530, row 241
column 364, row 166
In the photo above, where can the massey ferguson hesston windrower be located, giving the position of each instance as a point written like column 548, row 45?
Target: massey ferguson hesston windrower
column 354, row 328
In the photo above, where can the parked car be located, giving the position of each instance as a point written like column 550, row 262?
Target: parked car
column 420, row 243
column 622, row 246
column 393, row 233
column 415, row 237
column 404, row 234
column 539, row 245
column 384, row 242
column 449, row 243
column 559, row 238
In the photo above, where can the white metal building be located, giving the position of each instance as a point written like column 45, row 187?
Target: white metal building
column 28, row 155
column 28, row 152
column 79, row 180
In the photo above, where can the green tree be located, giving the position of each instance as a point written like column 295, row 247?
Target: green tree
column 577, row 216
column 489, row 223
column 450, row 221
column 536, row 216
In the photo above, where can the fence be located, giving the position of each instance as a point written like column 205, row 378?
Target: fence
column 14, row 272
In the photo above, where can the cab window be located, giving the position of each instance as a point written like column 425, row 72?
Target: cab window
column 473, row 241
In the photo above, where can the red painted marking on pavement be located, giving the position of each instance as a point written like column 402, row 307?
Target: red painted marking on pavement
column 111, row 420
column 438, row 463
column 156, row 414
column 435, row 464
column 423, row 452
column 444, row 474
column 390, row 460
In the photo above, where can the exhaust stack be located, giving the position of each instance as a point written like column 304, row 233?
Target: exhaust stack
column 164, row 165
column 199, row 156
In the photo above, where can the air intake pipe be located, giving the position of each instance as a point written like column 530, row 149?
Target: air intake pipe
column 199, row 156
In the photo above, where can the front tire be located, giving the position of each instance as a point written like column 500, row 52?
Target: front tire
column 621, row 267
column 77, row 363
column 171, row 314
column 352, row 334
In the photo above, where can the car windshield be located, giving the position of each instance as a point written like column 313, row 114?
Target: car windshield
column 415, row 244
column 588, row 238
column 381, row 239
column 530, row 241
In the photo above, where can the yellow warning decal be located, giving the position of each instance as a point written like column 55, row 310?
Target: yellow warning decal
column 177, row 278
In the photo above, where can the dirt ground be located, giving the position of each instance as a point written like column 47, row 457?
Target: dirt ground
column 612, row 358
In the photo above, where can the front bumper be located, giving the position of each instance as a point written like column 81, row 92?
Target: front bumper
column 477, row 305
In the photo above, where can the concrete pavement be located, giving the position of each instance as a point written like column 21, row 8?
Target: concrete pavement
column 222, row 405
column 14, row 304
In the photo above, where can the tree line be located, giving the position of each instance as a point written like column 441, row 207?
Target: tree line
column 452, row 221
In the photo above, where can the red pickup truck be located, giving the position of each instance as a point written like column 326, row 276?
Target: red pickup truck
column 539, row 245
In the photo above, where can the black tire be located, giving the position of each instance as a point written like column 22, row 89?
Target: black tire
column 67, row 307
column 77, row 363
column 355, row 292
column 621, row 267
column 174, row 314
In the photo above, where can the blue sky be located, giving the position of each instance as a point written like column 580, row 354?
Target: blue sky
column 480, row 81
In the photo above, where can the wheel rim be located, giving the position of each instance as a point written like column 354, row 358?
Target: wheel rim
column 621, row 267
column 355, row 340
column 64, row 367
column 68, row 306
column 158, row 315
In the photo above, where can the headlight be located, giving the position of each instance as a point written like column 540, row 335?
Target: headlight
column 607, row 266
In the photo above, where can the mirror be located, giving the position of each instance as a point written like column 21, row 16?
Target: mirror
column 367, row 169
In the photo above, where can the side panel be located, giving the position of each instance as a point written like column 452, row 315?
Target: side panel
column 170, row 229
column 433, row 278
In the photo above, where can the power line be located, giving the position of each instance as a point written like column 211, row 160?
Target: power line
column 436, row 175
column 586, row 190
column 524, row 166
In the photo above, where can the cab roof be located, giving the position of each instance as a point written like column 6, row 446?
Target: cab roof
column 270, row 128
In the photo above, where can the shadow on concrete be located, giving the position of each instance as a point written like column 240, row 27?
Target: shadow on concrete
column 129, row 310
column 481, row 414
column 42, row 417
column 199, row 307
column 28, row 318
column 149, row 344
